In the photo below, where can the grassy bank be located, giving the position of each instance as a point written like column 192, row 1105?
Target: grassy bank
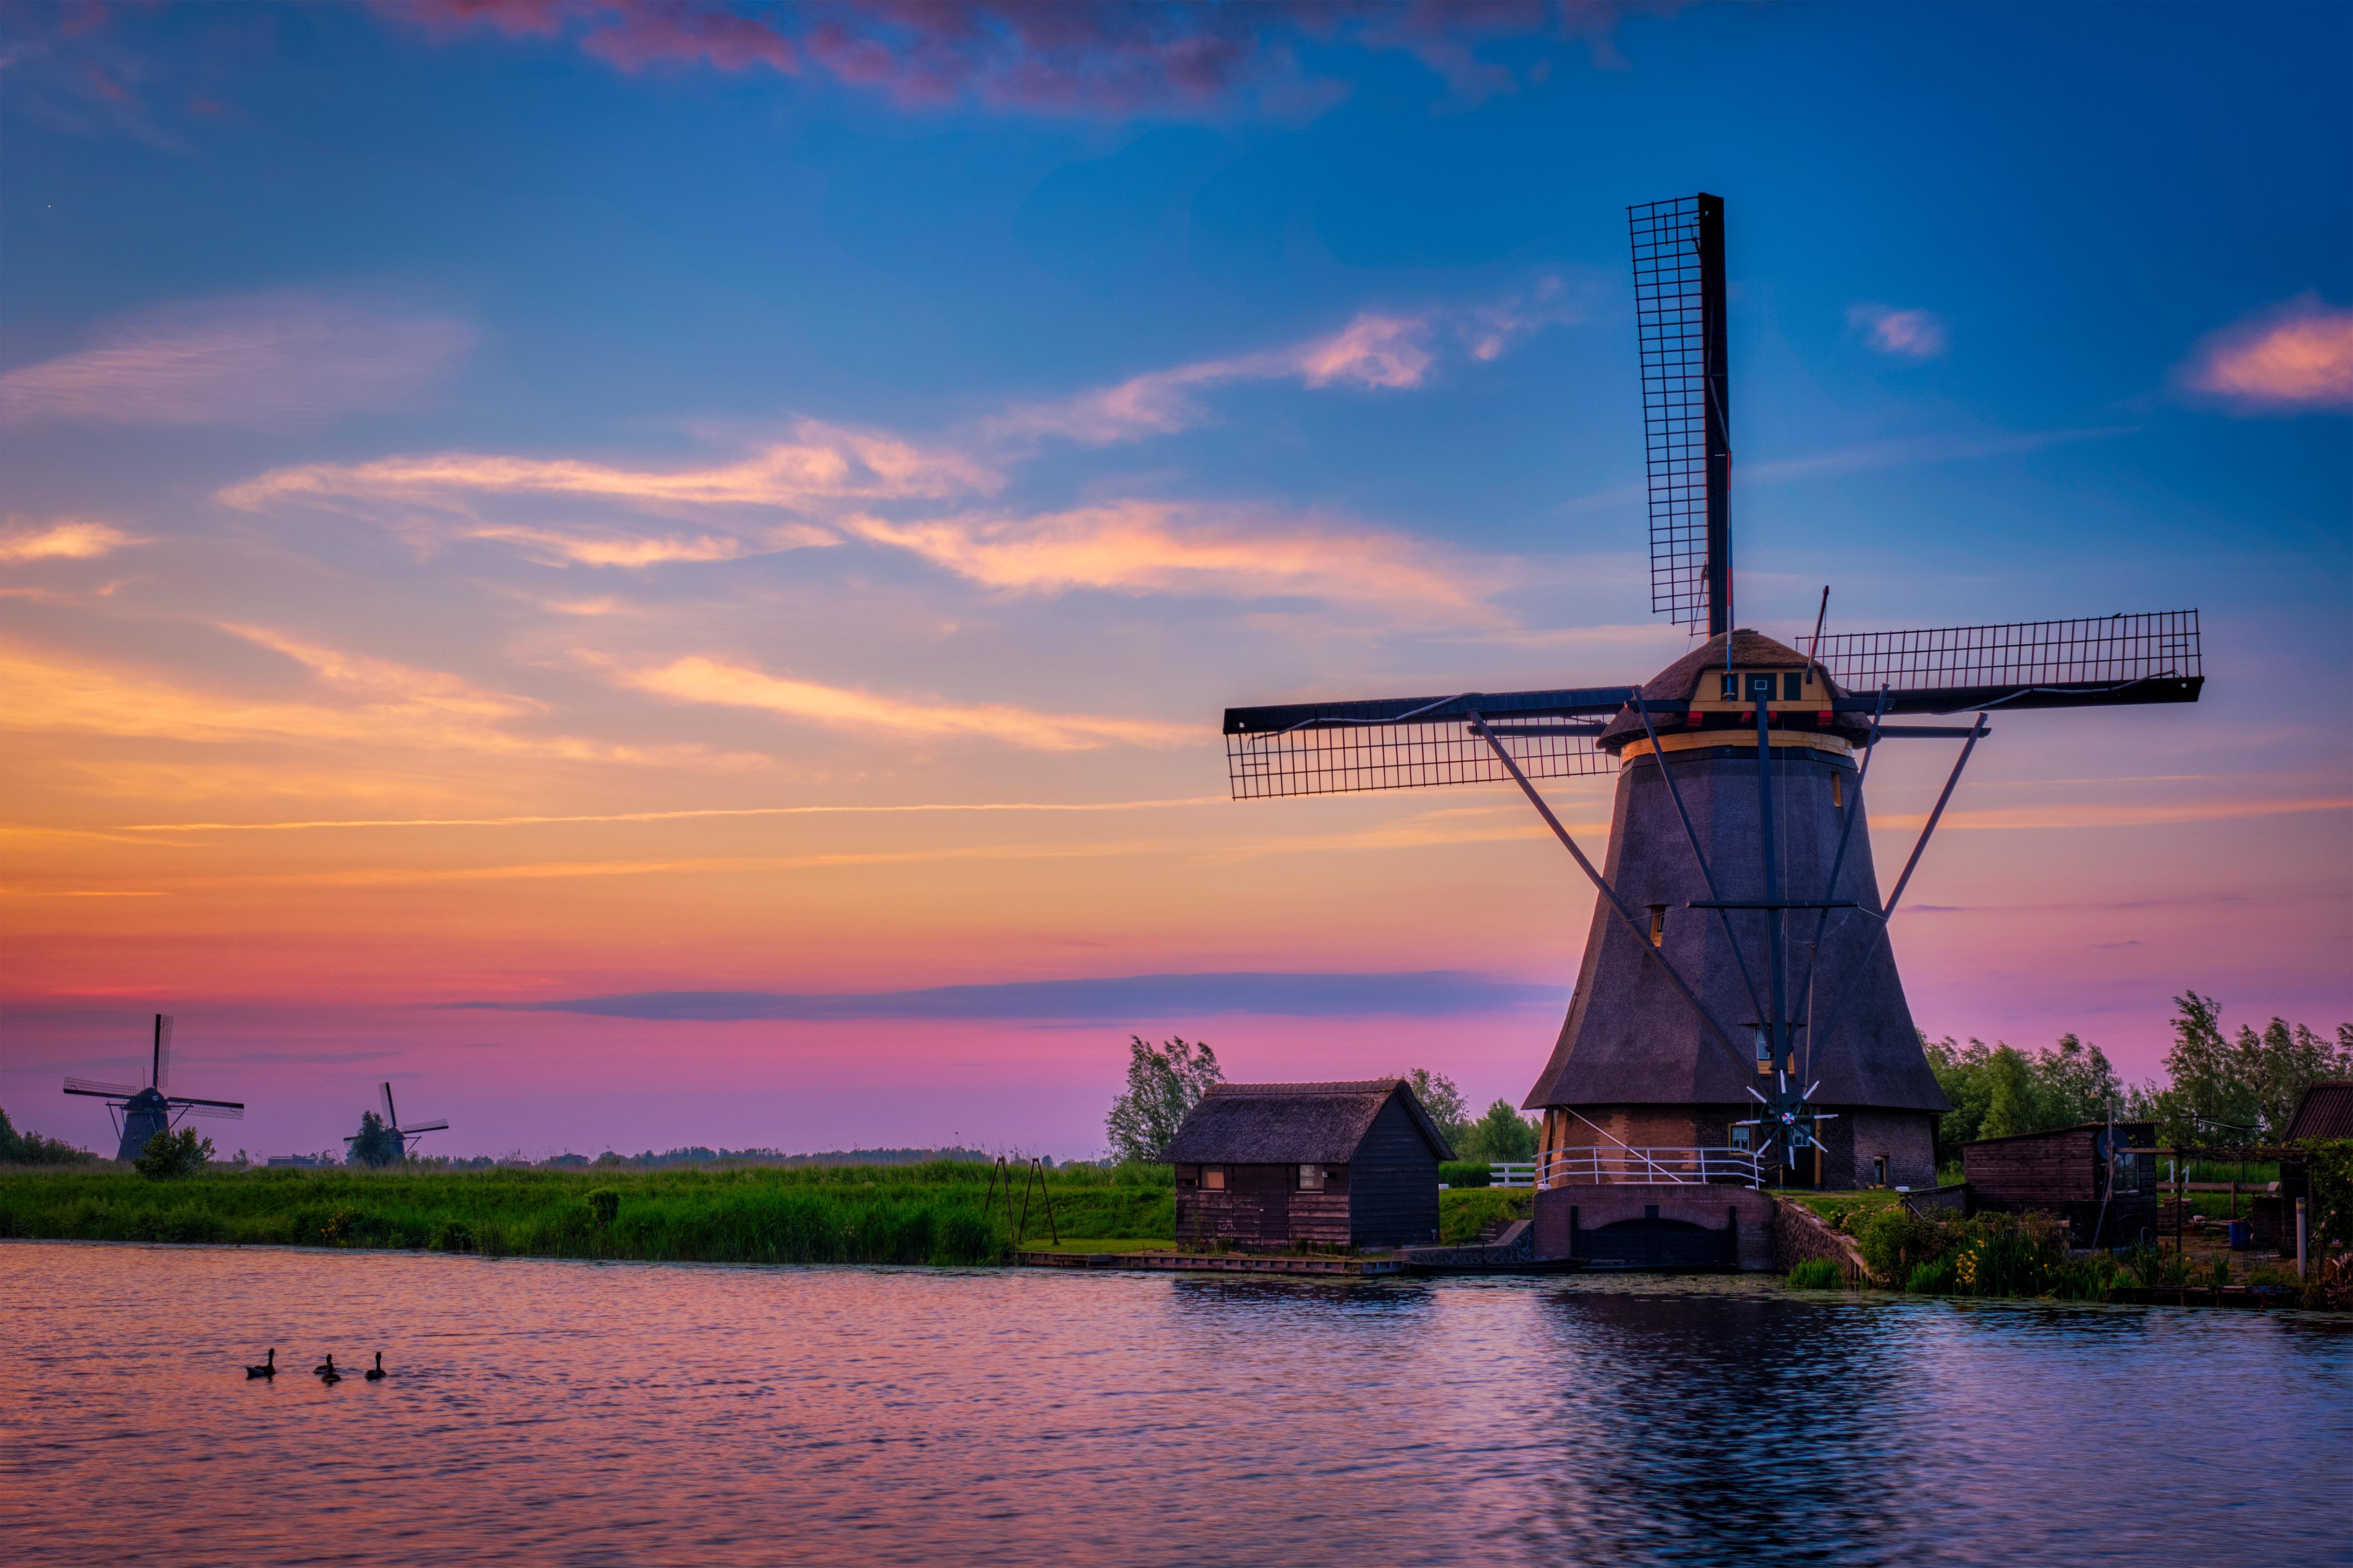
column 916, row 1213
column 859, row 1214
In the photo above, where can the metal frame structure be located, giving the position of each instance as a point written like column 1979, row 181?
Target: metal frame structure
column 1679, row 316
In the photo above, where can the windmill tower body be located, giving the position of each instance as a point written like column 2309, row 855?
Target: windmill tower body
column 144, row 1114
column 1634, row 1066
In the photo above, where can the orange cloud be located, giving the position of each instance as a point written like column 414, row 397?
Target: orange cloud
column 2297, row 356
column 66, row 539
column 824, row 463
column 700, row 679
column 1154, row 547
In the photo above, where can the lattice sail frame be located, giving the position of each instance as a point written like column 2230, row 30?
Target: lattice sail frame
column 1353, row 759
column 1672, row 297
column 2062, row 656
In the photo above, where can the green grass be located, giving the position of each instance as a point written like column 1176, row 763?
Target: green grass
column 903, row 1214
column 1464, row 1211
column 1845, row 1211
column 1817, row 1274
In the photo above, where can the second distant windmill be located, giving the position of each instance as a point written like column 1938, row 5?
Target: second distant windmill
column 395, row 1143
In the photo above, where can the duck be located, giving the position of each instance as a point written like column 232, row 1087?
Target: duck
column 267, row 1369
column 326, row 1369
column 375, row 1373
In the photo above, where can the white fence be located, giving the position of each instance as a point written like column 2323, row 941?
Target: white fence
column 1511, row 1174
column 1658, row 1167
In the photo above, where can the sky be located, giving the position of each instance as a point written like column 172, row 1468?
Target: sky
column 666, row 573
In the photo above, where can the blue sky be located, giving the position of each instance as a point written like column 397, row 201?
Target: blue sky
column 442, row 412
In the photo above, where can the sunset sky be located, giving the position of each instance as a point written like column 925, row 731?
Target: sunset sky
column 522, row 515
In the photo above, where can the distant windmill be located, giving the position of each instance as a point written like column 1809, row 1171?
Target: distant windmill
column 1696, row 1042
column 405, row 1136
column 141, row 1113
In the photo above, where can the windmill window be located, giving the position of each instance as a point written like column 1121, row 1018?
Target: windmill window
column 1838, row 789
column 1213, row 1178
column 1793, row 686
column 1311, row 1178
column 1731, row 686
column 1658, row 925
column 1879, row 1171
column 1740, row 1137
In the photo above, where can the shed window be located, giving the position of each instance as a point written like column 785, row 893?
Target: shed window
column 1214, row 1178
column 1311, row 1178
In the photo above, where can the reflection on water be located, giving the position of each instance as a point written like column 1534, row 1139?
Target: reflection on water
column 557, row 1411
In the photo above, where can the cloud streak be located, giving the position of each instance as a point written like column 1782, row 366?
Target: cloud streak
column 2293, row 358
column 725, row 683
column 270, row 361
column 64, row 539
column 1436, row 993
column 1900, row 334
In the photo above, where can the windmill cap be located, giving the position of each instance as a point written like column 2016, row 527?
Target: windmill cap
column 1681, row 680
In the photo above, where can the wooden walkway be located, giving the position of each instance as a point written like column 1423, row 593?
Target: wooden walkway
column 1219, row 1263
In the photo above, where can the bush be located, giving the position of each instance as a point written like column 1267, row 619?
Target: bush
column 604, row 1203
column 1817, row 1274
column 170, row 1154
column 1895, row 1241
column 1464, row 1173
column 1931, row 1278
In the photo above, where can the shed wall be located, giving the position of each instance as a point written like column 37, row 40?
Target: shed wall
column 1393, row 1183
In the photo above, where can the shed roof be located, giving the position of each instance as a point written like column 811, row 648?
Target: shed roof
column 1287, row 1123
column 2137, row 1134
column 2325, row 1111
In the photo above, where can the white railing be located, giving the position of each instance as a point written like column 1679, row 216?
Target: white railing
column 1657, row 1167
column 1511, row 1174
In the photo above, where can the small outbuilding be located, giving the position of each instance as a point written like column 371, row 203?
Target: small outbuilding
column 1273, row 1165
column 2100, row 1177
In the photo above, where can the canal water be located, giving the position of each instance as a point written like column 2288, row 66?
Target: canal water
column 554, row 1412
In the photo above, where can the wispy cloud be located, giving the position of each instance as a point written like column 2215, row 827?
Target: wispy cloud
column 1865, row 457
column 1161, row 547
column 1905, row 334
column 261, row 361
column 2290, row 359
column 1376, row 350
column 822, row 463
column 61, row 539
column 1116, row 59
column 1428, row 993
column 734, row 684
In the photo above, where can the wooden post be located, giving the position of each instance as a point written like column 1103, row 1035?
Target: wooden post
column 2299, row 1238
column 1047, row 1191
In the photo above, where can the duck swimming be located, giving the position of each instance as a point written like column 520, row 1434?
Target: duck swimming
column 326, row 1371
column 375, row 1373
column 267, row 1369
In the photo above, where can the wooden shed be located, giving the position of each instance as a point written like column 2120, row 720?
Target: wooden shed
column 2101, row 1178
column 1275, row 1165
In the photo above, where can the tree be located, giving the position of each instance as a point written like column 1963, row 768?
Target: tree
column 169, row 1154
column 2009, row 1098
column 1500, row 1135
column 2281, row 1063
column 2075, row 1084
column 1163, row 1082
column 2213, row 1099
column 32, row 1149
column 376, row 1145
column 1444, row 1103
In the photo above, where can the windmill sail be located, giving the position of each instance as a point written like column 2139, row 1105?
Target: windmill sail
column 1408, row 742
column 1679, row 318
column 160, row 1072
column 2113, row 660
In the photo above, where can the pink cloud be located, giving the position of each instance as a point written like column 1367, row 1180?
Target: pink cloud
column 2293, row 357
column 685, row 34
column 1906, row 334
column 1114, row 58
column 263, row 361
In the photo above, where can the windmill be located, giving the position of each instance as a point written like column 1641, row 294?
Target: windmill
column 405, row 1136
column 1738, row 1012
column 141, row 1113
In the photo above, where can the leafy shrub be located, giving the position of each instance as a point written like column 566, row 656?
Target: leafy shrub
column 454, row 1237
column 1895, row 1241
column 1817, row 1274
column 1930, row 1279
column 170, row 1154
column 1464, row 1173
column 604, row 1203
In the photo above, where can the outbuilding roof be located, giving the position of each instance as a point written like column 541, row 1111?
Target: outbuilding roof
column 2325, row 1111
column 1293, row 1124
